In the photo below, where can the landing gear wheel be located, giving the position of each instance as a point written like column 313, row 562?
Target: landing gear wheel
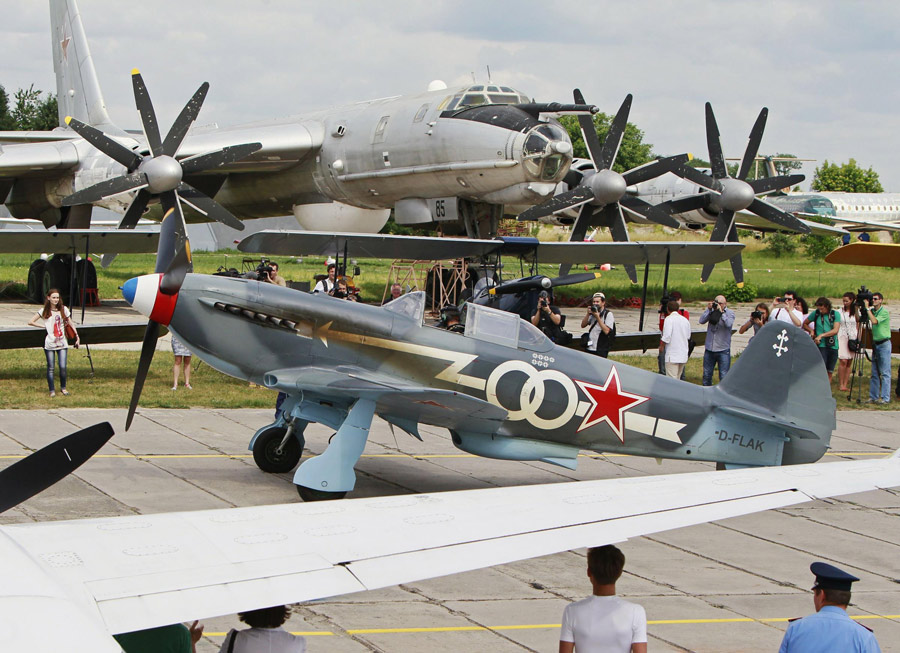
column 308, row 494
column 36, row 281
column 265, row 452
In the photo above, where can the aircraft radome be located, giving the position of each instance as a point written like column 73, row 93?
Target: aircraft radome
column 93, row 578
column 502, row 389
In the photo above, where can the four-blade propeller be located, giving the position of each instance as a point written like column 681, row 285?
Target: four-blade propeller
column 601, row 192
column 726, row 195
column 159, row 174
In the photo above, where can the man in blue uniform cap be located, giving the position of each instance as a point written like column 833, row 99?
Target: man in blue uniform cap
column 830, row 629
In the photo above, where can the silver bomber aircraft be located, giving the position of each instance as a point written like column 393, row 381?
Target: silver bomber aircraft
column 501, row 388
column 448, row 155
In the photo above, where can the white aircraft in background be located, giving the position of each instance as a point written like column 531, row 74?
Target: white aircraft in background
column 93, row 578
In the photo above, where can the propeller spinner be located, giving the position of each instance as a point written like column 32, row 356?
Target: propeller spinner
column 160, row 174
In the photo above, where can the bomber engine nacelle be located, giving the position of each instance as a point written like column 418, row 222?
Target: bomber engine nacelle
column 339, row 217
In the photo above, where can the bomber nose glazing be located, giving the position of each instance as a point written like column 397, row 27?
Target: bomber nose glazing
column 547, row 152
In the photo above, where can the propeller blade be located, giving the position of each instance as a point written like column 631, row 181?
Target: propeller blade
column 654, row 169
column 181, row 262
column 700, row 178
column 649, row 211
column 724, row 223
column 172, row 238
column 614, row 136
column 752, row 150
column 575, row 197
column 208, row 206
column 521, row 285
column 737, row 261
column 569, row 279
column 105, row 144
column 777, row 216
column 151, row 335
column 768, row 184
column 41, row 469
column 148, row 115
column 612, row 217
column 106, row 188
column 136, row 210
column 713, row 142
column 588, row 131
column 579, row 231
column 183, row 121
column 685, row 204
column 228, row 154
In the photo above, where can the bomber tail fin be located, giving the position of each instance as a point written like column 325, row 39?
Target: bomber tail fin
column 77, row 89
column 780, row 378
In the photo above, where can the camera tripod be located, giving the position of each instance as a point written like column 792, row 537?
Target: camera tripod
column 860, row 356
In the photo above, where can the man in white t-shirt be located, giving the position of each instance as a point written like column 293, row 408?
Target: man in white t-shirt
column 603, row 621
column 785, row 309
column 673, row 344
column 326, row 285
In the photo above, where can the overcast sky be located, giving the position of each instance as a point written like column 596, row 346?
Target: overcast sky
column 828, row 71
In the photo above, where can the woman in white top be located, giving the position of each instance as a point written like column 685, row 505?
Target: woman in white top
column 53, row 318
column 265, row 634
column 848, row 332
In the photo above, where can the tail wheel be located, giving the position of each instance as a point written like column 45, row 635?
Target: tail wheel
column 309, row 495
column 36, row 281
column 267, row 456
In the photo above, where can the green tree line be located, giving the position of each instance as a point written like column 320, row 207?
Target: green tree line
column 28, row 110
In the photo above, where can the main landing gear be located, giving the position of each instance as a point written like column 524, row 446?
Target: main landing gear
column 277, row 448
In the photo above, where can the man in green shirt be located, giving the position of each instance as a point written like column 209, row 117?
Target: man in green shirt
column 880, row 385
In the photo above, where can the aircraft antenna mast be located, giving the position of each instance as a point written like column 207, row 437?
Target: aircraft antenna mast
column 488, row 73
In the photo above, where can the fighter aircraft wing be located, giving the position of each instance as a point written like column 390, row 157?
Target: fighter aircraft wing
column 120, row 241
column 142, row 571
column 854, row 224
column 90, row 334
column 408, row 403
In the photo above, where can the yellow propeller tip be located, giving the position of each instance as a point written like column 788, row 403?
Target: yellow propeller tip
column 740, row 285
column 492, row 291
column 597, row 275
column 690, row 156
column 135, row 71
column 68, row 119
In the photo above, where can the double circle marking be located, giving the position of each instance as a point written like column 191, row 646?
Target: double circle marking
column 532, row 394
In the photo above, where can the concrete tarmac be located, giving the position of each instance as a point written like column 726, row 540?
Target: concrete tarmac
column 725, row 586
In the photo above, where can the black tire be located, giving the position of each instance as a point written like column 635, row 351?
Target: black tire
column 36, row 281
column 56, row 275
column 310, row 495
column 268, row 460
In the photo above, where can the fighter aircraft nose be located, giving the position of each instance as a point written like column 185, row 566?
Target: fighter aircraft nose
column 144, row 295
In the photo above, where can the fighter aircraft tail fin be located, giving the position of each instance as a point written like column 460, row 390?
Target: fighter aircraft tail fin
column 77, row 89
column 780, row 377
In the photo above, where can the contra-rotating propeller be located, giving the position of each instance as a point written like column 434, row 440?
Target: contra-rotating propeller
column 725, row 194
column 601, row 192
column 160, row 174
column 173, row 262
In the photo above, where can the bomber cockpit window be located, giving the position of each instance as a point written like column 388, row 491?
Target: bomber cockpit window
column 480, row 94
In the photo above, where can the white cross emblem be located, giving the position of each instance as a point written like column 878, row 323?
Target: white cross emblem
column 782, row 338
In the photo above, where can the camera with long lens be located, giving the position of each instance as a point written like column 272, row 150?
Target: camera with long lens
column 663, row 304
column 263, row 269
column 863, row 297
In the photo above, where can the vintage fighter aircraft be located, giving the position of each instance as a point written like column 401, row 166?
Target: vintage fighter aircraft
column 93, row 578
column 502, row 388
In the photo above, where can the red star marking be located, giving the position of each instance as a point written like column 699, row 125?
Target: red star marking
column 608, row 403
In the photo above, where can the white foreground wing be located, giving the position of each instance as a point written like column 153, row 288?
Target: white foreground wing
column 148, row 570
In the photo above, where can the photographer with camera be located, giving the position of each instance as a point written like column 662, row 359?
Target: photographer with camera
column 719, row 319
column 272, row 275
column 758, row 318
column 663, row 312
column 547, row 318
column 785, row 309
column 341, row 291
column 601, row 326
column 871, row 309
column 827, row 323
column 326, row 285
